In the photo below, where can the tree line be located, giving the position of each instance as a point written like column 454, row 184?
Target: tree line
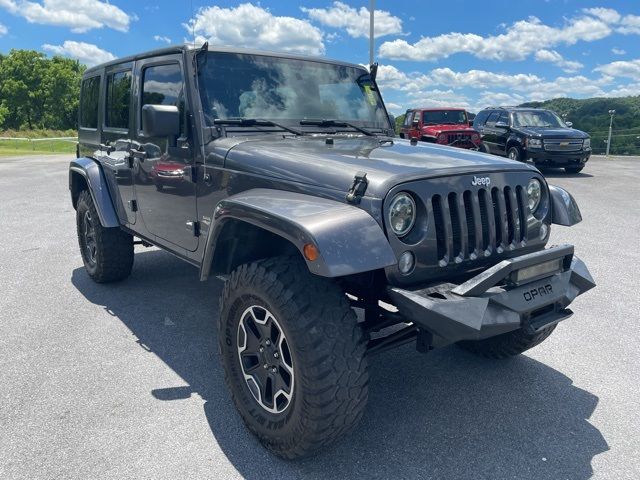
column 38, row 92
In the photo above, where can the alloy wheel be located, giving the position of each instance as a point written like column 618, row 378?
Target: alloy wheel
column 265, row 359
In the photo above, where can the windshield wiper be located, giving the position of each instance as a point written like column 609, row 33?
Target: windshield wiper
column 255, row 122
column 336, row 123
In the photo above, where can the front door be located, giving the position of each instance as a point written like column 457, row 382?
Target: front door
column 162, row 166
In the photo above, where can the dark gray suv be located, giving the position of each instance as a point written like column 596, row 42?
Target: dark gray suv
column 336, row 241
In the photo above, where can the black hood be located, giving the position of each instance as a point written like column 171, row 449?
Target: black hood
column 314, row 161
column 552, row 132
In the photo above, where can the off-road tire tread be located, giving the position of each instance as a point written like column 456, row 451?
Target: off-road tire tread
column 115, row 247
column 334, row 351
column 507, row 344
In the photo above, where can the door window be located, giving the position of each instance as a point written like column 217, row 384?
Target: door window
column 118, row 100
column 163, row 85
column 493, row 118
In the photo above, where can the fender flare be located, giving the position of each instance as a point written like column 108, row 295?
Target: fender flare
column 348, row 239
column 564, row 208
column 90, row 170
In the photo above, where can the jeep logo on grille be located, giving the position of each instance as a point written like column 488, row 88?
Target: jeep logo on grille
column 484, row 181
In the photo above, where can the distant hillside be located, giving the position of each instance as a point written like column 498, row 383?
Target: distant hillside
column 592, row 116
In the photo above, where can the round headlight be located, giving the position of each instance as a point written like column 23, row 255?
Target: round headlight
column 402, row 213
column 534, row 193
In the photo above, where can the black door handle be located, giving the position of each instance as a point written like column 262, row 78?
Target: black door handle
column 108, row 148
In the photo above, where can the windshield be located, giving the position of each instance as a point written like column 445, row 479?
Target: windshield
column 537, row 118
column 440, row 117
column 234, row 85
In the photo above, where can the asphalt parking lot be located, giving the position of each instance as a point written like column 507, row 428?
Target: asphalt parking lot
column 122, row 381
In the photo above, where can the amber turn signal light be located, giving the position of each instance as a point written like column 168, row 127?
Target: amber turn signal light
column 310, row 252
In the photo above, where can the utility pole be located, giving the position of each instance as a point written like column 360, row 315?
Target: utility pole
column 612, row 113
column 372, row 8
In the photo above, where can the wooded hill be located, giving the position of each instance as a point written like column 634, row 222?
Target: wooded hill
column 592, row 116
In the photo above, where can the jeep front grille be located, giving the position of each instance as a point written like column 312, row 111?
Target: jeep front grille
column 458, row 138
column 563, row 145
column 479, row 223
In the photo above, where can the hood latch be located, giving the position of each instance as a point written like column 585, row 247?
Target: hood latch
column 358, row 188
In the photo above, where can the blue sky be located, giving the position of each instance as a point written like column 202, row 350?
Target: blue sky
column 454, row 52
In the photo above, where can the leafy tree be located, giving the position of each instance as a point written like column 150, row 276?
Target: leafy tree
column 38, row 92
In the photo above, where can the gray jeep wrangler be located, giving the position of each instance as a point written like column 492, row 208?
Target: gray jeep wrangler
column 336, row 241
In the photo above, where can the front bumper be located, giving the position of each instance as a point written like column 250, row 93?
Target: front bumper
column 489, row 304
column 543, row 157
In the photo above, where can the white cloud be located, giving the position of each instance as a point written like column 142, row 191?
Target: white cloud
column 520, row 40
column 86, row 53
column 552, row 56
column 248, row 25
column 3, row 30
column 446, row 87
column 160, row 38
column 355, row 22
column 630, row 25
column 79, row 15
column 618, row 51
column 628, row 69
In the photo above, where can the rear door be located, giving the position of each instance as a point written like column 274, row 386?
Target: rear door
column 162, row 166
column 502, row 134
column 490, row 133
column 117, row 126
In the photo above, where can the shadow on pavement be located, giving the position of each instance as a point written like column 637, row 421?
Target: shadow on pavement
column 549, row 172
column 444, row 415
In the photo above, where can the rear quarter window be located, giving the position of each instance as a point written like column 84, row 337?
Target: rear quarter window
column 89, row 96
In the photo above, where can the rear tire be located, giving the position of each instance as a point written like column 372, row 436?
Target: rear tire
column 573, row 169
column 507, row 344
column 107, row 253
column 325, row 353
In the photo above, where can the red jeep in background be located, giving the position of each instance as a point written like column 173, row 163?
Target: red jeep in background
column 446, row 126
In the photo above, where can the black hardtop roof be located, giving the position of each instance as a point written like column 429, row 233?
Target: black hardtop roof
column 189, row 47
column 514, row 109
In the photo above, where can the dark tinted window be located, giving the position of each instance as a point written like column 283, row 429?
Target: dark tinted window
column 162, row 85
column 442, row 117
column 118, row 97
column 481, row 118
column 504, row 117
column 89, row 102
column 493, row 118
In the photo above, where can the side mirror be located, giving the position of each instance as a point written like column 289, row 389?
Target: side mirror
column 501, row 125
column 160, row 120
column 569, row 124
column 415, row 123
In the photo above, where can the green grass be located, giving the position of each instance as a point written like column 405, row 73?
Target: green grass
column 24, row 147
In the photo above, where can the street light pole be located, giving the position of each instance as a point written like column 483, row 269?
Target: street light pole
column 612, row 113
column 372, row 8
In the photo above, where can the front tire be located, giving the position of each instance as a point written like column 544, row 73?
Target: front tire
column 514, row 154
column 507, row 344
column 573, row 169
column 107, row 253
column 293, row 356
